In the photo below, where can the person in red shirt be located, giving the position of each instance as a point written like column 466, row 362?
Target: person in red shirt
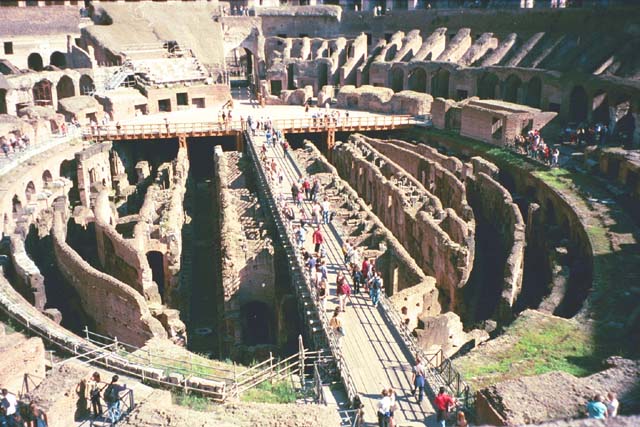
column 318, row 239
column 343, row 290
column 443, row 403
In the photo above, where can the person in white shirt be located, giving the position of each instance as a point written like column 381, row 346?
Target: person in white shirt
column 9, row 403
column 612, row 404
column 384, row 409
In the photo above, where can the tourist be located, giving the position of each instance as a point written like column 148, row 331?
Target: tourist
column 301, row 236
column 356, row 276
column 37, row 416
column 555, row 157
column 461, row 420
column 322, row 268
column 315, row 189
column 316, row 212
column 384, row 409
column 306, row 186
column 311, row 265
column 347, row 251
column 393, row 405
column 112, row 398
column 295, row 191
column 6, row 147
column 335, row 323
column 443, row 404
column 94, row 389
column 596, row 408
column 612, row 404
column 9, row 404
column 326, row 209
column 417, row 379
column 318, row 239
column 375, row 288
column 343, row 290
column 322, row 293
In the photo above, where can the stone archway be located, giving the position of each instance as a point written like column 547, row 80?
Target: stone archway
column 47, row 178
column 487, row 84
column 34, row 62
column 440, row 84
column 58, row 59
column 417, row 80
column 397, row 79
column 30, row 192
column 512, row 88
column 578, row 105
column 86, row 85
column 534, row 91
column 65, row 88
column 3, row 101
column 42, row 93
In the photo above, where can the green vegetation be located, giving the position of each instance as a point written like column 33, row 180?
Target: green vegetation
column 191, row 401
column 534, row 345
column 277, row 392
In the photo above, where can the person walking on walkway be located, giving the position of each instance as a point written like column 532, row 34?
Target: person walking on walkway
column 94, row 389
column 417, row 379
column 384, row 409
column 393, row 406
column 336, row 326
column 318, row 239
column 315, row 190
column 326, row 211
column 306, row 186
column 443, row 404
column 375, row 288
column 356, row 276
column 322, row 293
column 343, row 290
column 112, row 397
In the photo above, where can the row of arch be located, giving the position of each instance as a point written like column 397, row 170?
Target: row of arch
column 65, row 88
column 30, row 192
column 57, row 58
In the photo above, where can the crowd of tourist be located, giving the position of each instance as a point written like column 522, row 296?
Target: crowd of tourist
column 14, row 143
column 17, row 413
column 535, row 147
column 92, row 392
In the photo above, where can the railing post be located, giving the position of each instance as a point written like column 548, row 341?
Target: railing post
column 86, row 332
column 301, row 357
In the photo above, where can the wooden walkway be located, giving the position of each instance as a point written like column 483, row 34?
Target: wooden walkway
column 376, row 356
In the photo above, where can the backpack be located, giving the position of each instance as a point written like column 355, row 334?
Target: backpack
column 375, row 284
column 111, row 394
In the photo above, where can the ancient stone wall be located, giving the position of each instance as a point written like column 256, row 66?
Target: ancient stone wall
column 412, row 214
column 495, row 204
column 117, row 309
column 21, row 356
column 383, row 100
column 28, row 279
column 94, row 172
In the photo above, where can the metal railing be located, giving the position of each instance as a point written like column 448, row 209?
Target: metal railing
column 303, row 124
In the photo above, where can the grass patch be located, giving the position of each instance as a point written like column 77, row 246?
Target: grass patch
column 191, row 401
column 277, row 392
column 558, row 179
column 533, row 345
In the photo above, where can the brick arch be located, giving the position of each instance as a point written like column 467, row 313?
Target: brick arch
column 34, row 62
column 65, row 87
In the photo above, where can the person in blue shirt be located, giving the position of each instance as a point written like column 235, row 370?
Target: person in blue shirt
column 596, row 408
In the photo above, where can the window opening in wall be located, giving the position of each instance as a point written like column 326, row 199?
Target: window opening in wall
column 8, row 48
column 461, row 94
column 369, row 38
column 496, row 128
column 182, row 98
column 198, row 102
column 164, row 105
column 276, row 87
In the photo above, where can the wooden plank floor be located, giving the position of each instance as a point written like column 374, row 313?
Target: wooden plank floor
column 376, row 356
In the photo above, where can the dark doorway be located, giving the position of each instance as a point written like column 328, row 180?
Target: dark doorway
column 65, row 88
column 487, row 86
column 290, row 77
column 156, row 262
column 417, row 80
column 323, row 75
column 276, row 87
column 440, row 84
column 600, row 108
column 534, row 90
column 42, row 93
column 397, row 79
column 578, row 105
column 58, row 59
column 34, row 62
column 512, row 89
column 86, row 85
column 3, row 101
column 257, row 323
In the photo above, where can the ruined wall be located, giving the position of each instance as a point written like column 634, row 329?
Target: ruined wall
column 495, row 204
column 117, row 309
column 383, row 100
column 431, row 174
column 94, row 172
column 29, row 281
column 412, row 214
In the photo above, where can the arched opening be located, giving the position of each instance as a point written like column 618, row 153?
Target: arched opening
column 397, row 79
column 42, row 93
column 257, row 323
column 93, row 177
column 625, row 125
column 417, row 80
column 156, row 262
column 578, row 105
column 600, row 108
column 534, row 90
column 16, row 205
column 291, row 82
column 239, row 64
column 29, row 192
column 323, row 75
column 58, row 59
column 65, row 88
column 34, row 62
column 512, row 88
column 487, row 84
column 440, row 84
column 391, row 52
column 86, row 85
column 46, row 178
column 3, row 101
